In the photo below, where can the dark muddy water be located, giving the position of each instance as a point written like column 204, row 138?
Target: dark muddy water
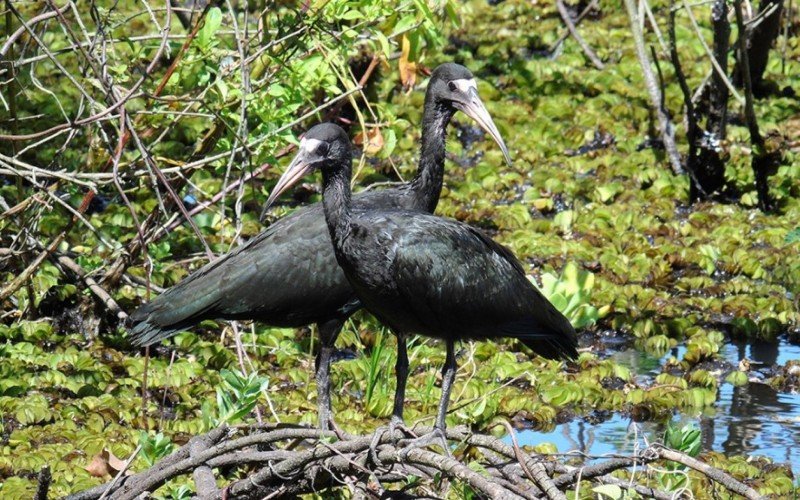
column 754, row 419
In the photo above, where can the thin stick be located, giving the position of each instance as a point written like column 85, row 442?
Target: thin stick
column 121, row 472
column 578, row 20
column 720, row 72
column 578, row 38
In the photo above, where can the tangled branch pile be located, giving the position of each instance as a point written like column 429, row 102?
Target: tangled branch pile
column 280, row 461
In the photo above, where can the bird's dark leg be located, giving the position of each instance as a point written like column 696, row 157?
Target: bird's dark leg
column 438, row 433
column 448, row 376
column 328, row 332
column 401, row 372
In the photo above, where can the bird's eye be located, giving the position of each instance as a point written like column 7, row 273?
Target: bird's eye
column 322, row 149
column 451, row 86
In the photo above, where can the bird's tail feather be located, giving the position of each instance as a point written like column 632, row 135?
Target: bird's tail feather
column 557, row 340
column 173, row 311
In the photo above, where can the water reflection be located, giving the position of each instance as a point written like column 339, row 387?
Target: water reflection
column 750, row 420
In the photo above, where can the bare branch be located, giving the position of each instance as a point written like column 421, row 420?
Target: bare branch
column 578, row 38
column 665, row 124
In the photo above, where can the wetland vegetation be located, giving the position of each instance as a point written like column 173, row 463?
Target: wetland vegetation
column 687, row 313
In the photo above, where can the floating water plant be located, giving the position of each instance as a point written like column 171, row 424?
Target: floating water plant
column 571, row 293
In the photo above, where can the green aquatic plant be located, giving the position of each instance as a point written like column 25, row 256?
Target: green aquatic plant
column 686, row 439
column 709, row 256
column 376, row 393
column 237, row 396
column 571, row 293
column 154, row 447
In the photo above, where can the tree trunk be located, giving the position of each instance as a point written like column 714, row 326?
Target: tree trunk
column 710, row 171
column 759, row 41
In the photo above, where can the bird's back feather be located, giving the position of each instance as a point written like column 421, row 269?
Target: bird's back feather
column 442, row 278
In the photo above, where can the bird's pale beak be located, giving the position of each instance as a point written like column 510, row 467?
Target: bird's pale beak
column 298, row 169
column 474, row 108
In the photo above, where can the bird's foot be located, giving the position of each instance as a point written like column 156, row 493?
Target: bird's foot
column 395, row 424
column 436, row 436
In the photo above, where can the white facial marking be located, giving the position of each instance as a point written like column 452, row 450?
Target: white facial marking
column 309, row 145
column 464, row 84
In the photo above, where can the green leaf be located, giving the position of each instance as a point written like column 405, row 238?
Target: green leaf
column 426, row 11
column 404, row 24
column 351, row 15
column 212, row 24
column 736, row 378
column 611, row 491
column 386, row 46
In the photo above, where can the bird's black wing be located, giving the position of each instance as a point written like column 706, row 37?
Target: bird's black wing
column 287, row 275
column 462, row 283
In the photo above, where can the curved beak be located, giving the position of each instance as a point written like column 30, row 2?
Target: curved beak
column 298, row 169
column 474, row 108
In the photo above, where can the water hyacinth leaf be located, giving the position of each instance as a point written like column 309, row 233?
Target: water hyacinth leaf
column 479, row 408
column 737, row 378
column 564, row 220
column 710, row 255
column 606, row 193
column 571, row 294
column 545, row 448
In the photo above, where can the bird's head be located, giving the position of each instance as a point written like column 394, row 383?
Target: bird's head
column 323, row 146
column 452, row 85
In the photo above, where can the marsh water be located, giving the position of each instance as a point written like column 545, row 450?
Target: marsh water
column 753, row 419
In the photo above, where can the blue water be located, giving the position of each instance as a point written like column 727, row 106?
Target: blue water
column 753, row 420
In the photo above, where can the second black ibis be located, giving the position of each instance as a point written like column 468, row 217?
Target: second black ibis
column 419, row 273
column 287, row 276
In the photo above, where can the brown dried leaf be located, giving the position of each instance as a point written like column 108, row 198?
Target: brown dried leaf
column 408, row 69
column 374, row 140
column 99, row 465
column 114, row 463
column 104, row 464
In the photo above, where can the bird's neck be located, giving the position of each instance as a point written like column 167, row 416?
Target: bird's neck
column 427, row 184
column 336, row 200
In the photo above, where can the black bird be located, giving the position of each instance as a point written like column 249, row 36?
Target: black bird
column 287, row 276
column 419, row 273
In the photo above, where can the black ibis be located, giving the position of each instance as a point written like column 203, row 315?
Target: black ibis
column 419, row 273
column 287, row 276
